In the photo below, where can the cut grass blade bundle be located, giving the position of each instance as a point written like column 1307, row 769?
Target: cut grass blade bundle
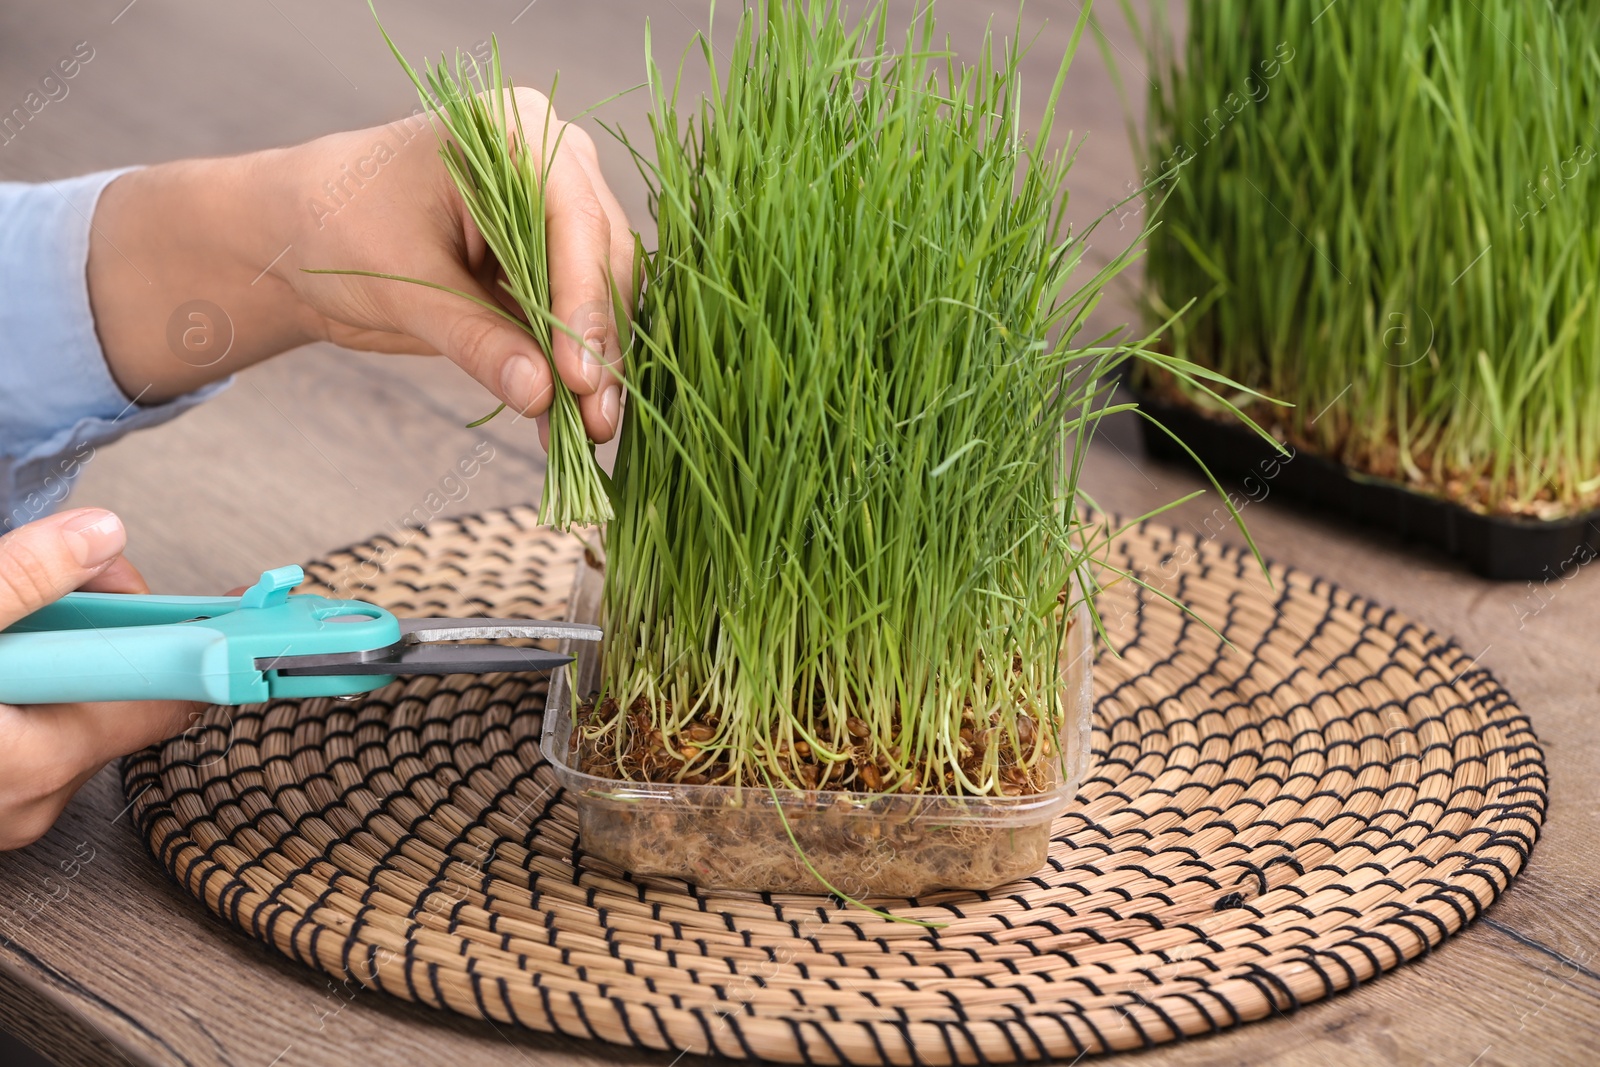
column 485, row 147
column 1386, row 213
column 847, row 491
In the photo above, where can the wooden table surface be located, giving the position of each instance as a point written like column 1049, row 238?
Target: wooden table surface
column 113, row 964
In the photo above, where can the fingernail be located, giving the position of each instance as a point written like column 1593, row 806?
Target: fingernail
column 610, row 405
column 594, row 346
column 591, row 323
column 94, row 537
column 517, row 381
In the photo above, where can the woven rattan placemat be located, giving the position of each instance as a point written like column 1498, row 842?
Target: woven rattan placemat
column 1266, row 824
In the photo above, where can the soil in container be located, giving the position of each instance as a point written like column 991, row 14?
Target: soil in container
column 850, row 837
column 846, row 834
column 1501, row 547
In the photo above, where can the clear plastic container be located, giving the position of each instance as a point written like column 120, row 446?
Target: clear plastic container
column 862, row 844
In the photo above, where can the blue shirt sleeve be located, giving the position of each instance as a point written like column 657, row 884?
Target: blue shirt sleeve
column 58, row 401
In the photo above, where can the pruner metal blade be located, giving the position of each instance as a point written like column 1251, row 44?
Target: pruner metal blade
column 419, row 652
column 424, row 631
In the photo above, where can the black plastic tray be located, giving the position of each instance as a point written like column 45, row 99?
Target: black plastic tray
column 1495, row 546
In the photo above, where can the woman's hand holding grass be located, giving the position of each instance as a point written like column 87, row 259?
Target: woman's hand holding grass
column 237, row 232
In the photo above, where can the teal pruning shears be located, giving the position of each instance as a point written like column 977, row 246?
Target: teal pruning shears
column 260, row 646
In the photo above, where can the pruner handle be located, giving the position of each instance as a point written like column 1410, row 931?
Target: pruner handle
column 108, row 646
